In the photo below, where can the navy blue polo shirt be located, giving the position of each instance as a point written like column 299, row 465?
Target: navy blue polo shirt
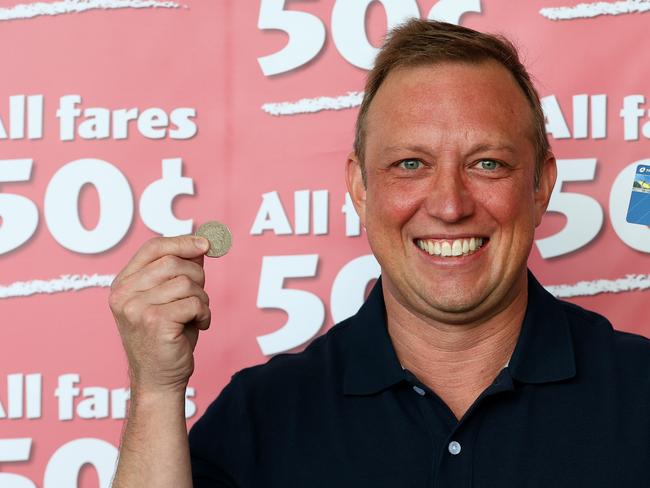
column 572, row 409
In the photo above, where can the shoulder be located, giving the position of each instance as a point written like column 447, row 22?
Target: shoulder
column 261, row 402
column 586, row 325
column 597, row 342
column 270, row 391
column 322, row 361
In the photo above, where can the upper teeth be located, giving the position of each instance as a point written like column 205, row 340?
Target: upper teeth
column 455, row 247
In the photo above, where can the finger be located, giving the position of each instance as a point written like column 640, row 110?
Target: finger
column 189, row 247
column 198, row 259
column 162, row 270
column 173, row 290
column 190, row 310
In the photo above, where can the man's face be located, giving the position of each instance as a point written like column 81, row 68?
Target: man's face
column 450, row 206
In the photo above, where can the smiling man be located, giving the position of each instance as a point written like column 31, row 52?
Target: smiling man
column 460, row 370
column 446, row 188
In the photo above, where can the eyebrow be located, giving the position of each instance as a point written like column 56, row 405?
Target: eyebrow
column 491, row 147
column 421, row 148
column 480, row 147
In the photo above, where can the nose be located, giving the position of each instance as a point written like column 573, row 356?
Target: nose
column 449, row 199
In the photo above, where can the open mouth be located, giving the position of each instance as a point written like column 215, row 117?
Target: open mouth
column 451, row 247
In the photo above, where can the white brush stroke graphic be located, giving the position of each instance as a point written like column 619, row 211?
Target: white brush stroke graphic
column 62, row 7
column 62, row 284
column 590, row 288
column 79, row 282
column 589, row 10
column 311, row 105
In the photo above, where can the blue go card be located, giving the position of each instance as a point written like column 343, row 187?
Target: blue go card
column 639, row 210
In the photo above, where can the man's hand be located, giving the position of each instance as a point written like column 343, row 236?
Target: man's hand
column 159, row 305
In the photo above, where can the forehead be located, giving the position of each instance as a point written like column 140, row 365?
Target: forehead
column 448, row 103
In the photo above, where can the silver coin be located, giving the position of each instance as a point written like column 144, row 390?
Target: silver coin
column 219, row 236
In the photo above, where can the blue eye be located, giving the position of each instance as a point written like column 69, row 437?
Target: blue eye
column 489, row 164
column 410, row 164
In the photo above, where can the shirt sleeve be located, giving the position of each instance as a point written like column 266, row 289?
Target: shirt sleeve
column 221, row 441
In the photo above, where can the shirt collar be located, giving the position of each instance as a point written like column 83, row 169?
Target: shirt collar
column 544, row 350
column 371, row 364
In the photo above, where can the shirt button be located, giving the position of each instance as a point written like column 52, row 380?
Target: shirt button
column 454, row 448
column 418, row 390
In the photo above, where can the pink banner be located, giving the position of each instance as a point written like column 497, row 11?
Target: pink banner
column 121, row 120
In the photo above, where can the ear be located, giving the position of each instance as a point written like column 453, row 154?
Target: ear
column 545, row 189
column 356, row 185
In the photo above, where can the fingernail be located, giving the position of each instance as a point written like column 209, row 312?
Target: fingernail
column 202, row 243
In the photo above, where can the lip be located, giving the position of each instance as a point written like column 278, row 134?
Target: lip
column 450, row 237
column 453, row 260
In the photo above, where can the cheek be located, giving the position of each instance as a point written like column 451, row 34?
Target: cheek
column 391, row 204
column 512, row 206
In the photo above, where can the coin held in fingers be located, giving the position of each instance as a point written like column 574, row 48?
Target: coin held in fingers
column 219, row 236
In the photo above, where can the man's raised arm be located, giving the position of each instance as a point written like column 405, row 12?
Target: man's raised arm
column 159, row 305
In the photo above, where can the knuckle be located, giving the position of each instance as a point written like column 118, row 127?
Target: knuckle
column 114, row 301
column 176, row 244
column 150, row 316
column 119, row 283
column 131, row 310
column 206, row 318
column 163, row 267
column 155, row 244
column 169, row 262
column 195, row 273
column 184, row 282
column 195, row 303
column 115, row 284
column 201, row 275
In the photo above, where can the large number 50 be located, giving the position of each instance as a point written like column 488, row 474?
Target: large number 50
column 305, row 311
column 585, row 215
column 307, row 32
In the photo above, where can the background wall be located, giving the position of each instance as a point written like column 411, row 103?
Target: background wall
column 126, row 119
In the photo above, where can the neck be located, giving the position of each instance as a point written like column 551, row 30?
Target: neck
column 457, row 361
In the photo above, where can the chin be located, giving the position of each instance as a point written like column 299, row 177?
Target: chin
column 452, row 302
